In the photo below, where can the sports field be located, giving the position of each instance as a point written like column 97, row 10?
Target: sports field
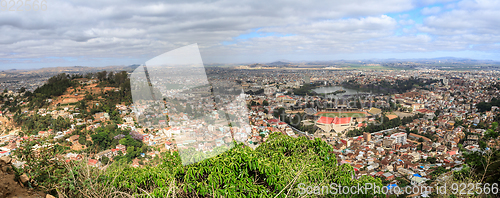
column 344, row 114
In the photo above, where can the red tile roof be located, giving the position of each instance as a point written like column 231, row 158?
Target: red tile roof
column 336, row 120
column 425, row 111
column 92, row 162
column 273, row 121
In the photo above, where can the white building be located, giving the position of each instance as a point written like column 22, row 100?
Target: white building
column 399, row 137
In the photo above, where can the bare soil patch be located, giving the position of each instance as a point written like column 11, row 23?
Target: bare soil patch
column 11, row 188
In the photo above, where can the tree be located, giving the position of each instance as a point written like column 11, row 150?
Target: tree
column 279, row 113
column 111, row 77
column 82, row 140
column 89, row 97
column 89, row 75
column 101, row 75
column 105, row 160
column 483, row 106
column 491, row 134
column 494, row 125
column 123, row 141
column 420, row 146
column 189, row 109
column 130, row 149
column 265, row 103
column 262, row 136
column 144, row 148
column 437, row 112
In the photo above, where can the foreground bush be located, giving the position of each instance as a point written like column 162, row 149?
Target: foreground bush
column 275, row 169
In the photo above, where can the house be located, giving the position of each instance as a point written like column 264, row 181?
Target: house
column 168, row 145
column 73, row 138
column 286, row 99
column 102, row 116
column 388, row 142
column 135, row 163
column 108, row 153
column 43, row 134
column 73, row 156
column 416, row 180
column 94, row 162
column 4, row 153
column 388, row 176
column 122, row 148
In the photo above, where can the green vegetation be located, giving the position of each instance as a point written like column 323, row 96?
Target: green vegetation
column 275, row 169
column 295, row 121
column 258, row 92
column 485, row 163
column 486, row 106
column 306, row 89
column 104, row 138
column 32, row 124
column 382, row 124
column 54, row 87
column 386, row 87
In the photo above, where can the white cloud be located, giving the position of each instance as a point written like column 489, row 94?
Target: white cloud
column 131, row 30
column 406, row 22
column 431, row 10
column 403, row 16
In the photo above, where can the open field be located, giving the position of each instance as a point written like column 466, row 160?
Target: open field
column 358, row 114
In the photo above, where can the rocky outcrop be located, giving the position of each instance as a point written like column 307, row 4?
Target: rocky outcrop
column 9, row 187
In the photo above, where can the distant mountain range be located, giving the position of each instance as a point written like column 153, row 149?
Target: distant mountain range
column 439, row 61
column 423, row 61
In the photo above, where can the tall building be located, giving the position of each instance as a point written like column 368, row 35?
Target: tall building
column 367, row 136
column 399, row 137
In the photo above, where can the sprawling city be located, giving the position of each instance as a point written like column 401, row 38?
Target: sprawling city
column 393, row 98
column 405, row 127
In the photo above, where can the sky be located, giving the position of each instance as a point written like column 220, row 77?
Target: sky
column 125, row 32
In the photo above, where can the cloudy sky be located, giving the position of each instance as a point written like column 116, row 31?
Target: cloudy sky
column 123, row 32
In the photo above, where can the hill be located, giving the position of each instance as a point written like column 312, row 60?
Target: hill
column 281, row 167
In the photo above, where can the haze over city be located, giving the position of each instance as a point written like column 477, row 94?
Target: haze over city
column 82, row 33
